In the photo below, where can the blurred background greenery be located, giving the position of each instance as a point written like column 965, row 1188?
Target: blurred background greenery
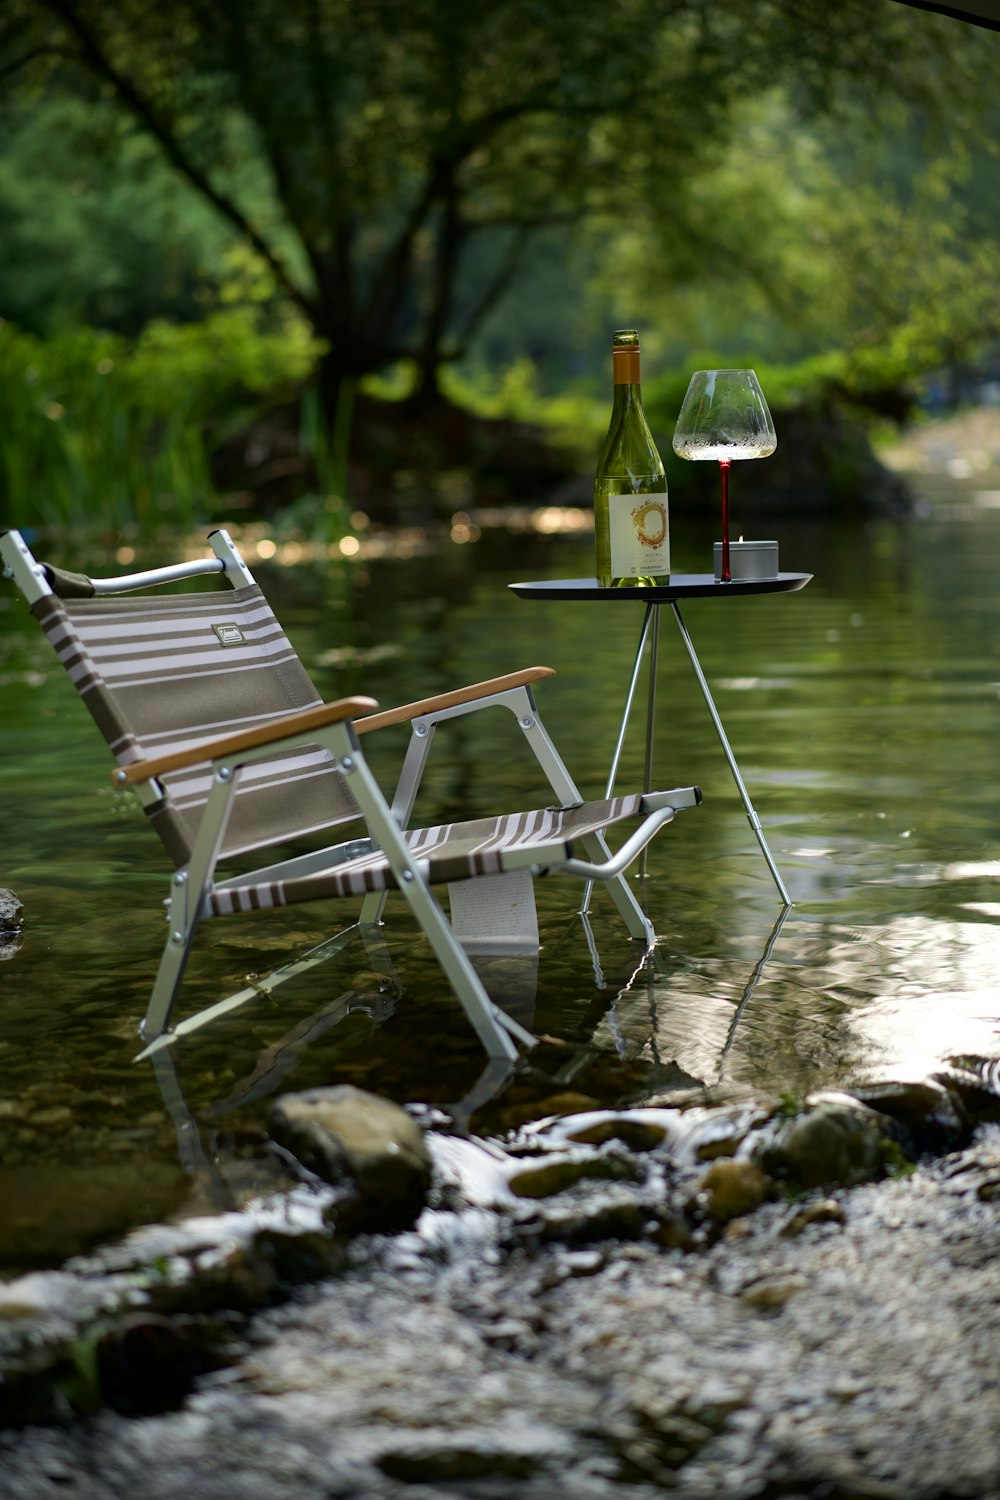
column 270, row 257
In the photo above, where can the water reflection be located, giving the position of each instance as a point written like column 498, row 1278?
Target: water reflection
column 863, row 713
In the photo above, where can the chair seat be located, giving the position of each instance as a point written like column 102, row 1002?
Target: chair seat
column 451, row 851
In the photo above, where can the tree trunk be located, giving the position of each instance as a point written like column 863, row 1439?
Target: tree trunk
column 334, row 379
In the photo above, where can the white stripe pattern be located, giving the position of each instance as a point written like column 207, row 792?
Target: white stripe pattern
column 450, row 851
column 186, row 789
column 134, row 662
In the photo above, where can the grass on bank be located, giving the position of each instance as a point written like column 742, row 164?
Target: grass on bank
column 100, row 431
column 106, row 434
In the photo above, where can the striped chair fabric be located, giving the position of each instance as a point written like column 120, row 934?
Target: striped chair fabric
column 161, row 674
column 452, row 851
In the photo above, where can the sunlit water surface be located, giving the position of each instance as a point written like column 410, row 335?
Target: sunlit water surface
column 863, row 712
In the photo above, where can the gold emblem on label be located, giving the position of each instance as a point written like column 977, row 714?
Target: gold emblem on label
column 650, row 522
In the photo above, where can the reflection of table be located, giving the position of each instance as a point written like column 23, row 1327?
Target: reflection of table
column 681, row 586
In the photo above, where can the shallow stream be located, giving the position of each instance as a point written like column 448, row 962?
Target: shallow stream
column 863, row 712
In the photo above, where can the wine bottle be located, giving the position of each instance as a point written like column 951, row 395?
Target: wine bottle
column 630, row 488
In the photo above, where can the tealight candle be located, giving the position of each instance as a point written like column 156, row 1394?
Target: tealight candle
column 749, row 562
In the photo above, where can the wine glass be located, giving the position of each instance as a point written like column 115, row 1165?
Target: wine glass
column 724, row 416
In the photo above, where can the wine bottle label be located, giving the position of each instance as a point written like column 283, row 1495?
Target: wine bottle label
column 640, row 540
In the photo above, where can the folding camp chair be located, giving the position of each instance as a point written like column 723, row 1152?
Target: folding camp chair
column 215, row 725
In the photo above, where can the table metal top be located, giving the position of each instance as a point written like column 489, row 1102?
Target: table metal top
column 681, row 586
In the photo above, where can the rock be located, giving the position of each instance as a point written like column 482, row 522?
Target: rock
column 517, row 1112
column 39, row 1230
column 132, row 1325
column 344, row 1134
column 837, row 1142
column 443, row 1458
column 11, row 913
column 704, row 1134
column 825, row 1211
column 11, row 922
column 976, row 1171
column 976, row 1080
column 932, row 1113
column 616, row 1213
column 550, row 1177
column 772, row 1292
column 671, row 1231
column 147, row 1364
column 730, row 1188
column 636, row 1134
column 55, row 1115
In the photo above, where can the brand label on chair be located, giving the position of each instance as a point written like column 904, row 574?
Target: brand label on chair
column 229, row 635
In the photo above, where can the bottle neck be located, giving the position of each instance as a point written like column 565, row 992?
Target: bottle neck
column 627, row 396
column 625, row 372
column 625, row 366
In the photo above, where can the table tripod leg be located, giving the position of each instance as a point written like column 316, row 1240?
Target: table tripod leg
column 626, row 715
column 629, row 698
column 647, row 777
column 730, row 757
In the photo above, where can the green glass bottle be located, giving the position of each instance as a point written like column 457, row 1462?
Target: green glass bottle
column 630, row 488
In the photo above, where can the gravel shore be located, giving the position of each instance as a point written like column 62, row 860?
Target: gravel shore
column 841, row 1347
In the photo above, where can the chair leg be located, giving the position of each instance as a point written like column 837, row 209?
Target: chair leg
column 417, row 751
column 521, row 702
column 187, row 894
column 372, row 909
column 565, row 788
column 495, row 1029
column 168, row 980
column 635, row 919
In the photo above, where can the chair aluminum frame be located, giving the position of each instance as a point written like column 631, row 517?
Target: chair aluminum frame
column 338, row 728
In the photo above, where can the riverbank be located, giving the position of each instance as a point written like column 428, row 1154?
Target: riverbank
column 727, row 1341
column 963, row 446
column 412, row 464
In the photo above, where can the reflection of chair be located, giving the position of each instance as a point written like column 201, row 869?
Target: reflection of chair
column 216, row 726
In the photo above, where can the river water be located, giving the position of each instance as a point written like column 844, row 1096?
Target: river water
column 863, row 712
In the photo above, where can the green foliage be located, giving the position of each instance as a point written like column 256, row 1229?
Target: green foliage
column 323, row 514
column 95, row 228
column 116, row 432
column 392, row 167
column 515, row 392
column 750, row 182
column 861, row 262
column 577, row 417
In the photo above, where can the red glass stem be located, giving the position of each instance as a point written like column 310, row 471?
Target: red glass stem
column 725, row 576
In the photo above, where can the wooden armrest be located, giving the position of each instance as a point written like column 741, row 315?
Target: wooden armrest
column 248, row 739
column 470, row 694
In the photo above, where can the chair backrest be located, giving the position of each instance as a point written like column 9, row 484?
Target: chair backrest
column 162, row 673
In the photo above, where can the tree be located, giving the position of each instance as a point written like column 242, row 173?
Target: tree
column 414, row 150
column 880, row 252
